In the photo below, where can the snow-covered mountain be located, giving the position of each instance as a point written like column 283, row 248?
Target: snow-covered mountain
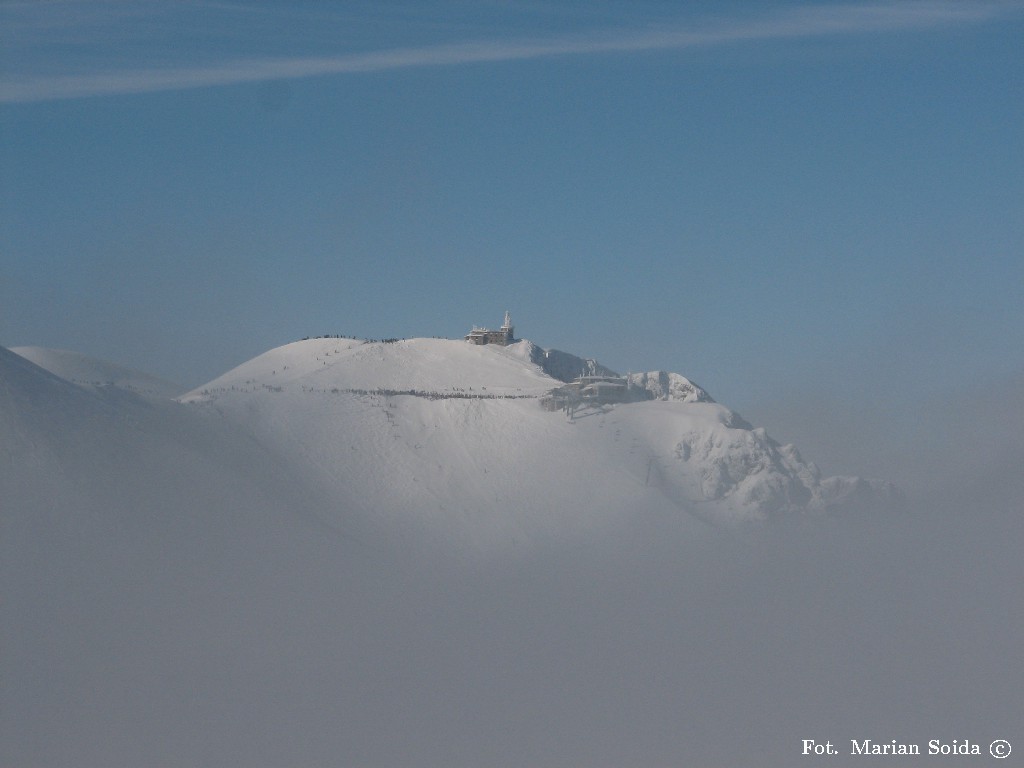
column 442, row 435
column 348, row 553
column 448, row 433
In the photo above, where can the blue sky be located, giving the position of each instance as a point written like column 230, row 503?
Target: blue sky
column 788, row 203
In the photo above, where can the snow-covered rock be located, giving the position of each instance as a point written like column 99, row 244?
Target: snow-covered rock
column 564, row 366
column 662, row 385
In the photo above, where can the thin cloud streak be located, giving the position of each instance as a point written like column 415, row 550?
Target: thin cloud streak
column 800, row 23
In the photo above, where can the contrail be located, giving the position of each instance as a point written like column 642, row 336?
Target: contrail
column 798, row 23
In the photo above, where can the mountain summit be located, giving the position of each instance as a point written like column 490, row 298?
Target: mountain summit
column 485, row 443
column 493, row 438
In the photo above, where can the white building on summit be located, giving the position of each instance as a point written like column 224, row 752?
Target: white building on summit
column 503, row 336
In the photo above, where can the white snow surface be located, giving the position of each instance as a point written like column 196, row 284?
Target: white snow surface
column 425, row 365
column 451, row 435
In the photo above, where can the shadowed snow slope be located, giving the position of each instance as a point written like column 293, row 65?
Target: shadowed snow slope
column 87, row 371
column 280, row 574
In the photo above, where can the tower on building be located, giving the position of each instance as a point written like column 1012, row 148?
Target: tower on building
column 503, row 336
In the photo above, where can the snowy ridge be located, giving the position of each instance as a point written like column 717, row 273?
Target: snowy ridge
column 436, row 366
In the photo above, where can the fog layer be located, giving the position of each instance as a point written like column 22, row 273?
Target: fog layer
column 179, row 602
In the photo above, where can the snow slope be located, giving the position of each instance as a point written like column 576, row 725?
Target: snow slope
column 441, row 435
column 434, row 365
column 87, row 371
column 452, row 436
column 66, row 445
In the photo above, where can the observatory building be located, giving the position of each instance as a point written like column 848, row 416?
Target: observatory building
column 503, row 336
